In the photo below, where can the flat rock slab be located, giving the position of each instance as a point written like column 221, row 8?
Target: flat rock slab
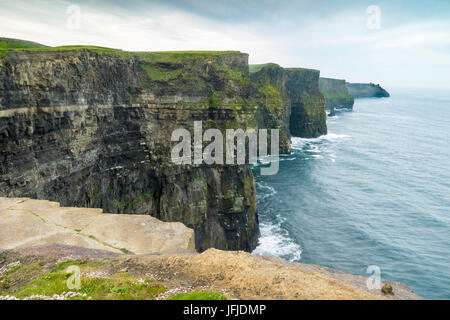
column 65, row 251
column 26, row 223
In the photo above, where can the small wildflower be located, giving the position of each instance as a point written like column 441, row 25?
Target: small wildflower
column 63, row 296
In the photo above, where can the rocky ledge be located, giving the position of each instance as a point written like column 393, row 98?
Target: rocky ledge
column 26, row 222
column 41, row 273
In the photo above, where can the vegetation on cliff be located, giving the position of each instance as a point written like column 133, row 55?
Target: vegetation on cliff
column 289, row 99
column 83, row 279
column 47, row 273
column 366, row 90
column 336, row 93
column 91, row 126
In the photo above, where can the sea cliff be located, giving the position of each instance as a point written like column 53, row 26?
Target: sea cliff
column 289, row 99
column 91, row 127
column 336, row 94
column 366, row 90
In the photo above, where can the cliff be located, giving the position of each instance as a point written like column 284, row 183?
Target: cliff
column 366, row 90
column 41, row 273
column 336, row 94
column 91, row 127
column 288, row 99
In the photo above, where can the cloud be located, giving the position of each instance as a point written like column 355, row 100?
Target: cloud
column 333, row 38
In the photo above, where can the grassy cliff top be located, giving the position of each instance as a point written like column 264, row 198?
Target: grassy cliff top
column 257, row 67
column 7, row 44
column 302, row 69
column 331, row 79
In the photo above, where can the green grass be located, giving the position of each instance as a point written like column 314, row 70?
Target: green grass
column 119, row 286
column 199, row 295
column 67, row 263
column 12, row 44
column 155, row 73
column 257, row 67
column 36, row 280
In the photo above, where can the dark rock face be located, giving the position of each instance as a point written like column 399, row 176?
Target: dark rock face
column 366, row 90
column 290, row 100
column 308, row 113
column 336, row 94
column 94, row 130
column 332, row 112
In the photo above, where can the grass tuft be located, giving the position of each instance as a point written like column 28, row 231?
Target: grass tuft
column 199, row 295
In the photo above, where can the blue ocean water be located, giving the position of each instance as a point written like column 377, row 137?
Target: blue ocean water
column 374, row 191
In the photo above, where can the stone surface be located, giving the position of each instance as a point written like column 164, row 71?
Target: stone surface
column 336, row 94
column 26, row 223
column 332, row 112
column 387, row 289
column 92, row 128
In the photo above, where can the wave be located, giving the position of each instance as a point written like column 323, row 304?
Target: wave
column 298, row 143
column 275, row 241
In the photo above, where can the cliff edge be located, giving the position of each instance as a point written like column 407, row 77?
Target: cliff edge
column 366, row 90
column 336, row 94
column 288, row 99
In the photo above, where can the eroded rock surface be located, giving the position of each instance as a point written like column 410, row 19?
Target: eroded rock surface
column 239, row 275
column 27, row 223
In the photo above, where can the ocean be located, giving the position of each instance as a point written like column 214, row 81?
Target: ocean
column 375, row 191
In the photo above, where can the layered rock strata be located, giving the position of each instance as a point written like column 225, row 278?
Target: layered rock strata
column 91, row 127
column 289, row 99
column 336, row 94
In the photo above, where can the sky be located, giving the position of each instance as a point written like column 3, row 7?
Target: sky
column 394, row 43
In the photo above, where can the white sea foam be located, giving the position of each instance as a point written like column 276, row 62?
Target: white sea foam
column 275, row 241
column 314, row 149
column 266, row 188
column 299, row 143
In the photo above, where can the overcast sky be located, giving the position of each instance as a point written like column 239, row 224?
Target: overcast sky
column 407, row 44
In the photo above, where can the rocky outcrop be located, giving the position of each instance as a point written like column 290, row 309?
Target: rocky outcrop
column 28, row 223
column 336, row 94
column 91, row 127
column 332, row 112
column 288, row 99
column 238, row 275
column 366, row 90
